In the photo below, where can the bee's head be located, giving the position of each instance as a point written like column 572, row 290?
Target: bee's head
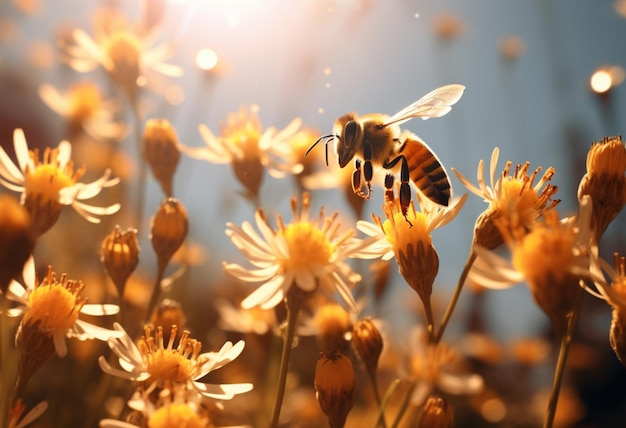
column 349, row 138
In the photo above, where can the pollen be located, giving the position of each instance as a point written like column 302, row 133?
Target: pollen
column 47, row 180
column 307, row 245
column 176, row 415
column 55, row 304
column 167, row 364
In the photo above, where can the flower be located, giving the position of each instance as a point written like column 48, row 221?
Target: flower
column 49, row 184
column 173, row 368
column 409, row 238
column 552, row 257
column 513, row 195
column 605, row 181
column 53, row 306
column 307, row 253
column 123, row 54
column 84, row 107
column 249, row 149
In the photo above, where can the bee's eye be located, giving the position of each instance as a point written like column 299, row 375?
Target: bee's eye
column 350, row 133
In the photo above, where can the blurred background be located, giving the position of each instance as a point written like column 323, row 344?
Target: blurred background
column 543, row 82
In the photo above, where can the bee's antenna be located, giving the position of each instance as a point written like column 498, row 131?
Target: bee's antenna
column 328, row 138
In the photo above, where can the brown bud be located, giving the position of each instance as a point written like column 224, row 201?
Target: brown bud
column 168, row 314
column 120, row 256
column 36, row 346
column 160, row 145
column 419, row 265
column 437, row 413
column 486, row 233
column 368, row 343
column 16, row 238
column 335, row 387
column 169, row 229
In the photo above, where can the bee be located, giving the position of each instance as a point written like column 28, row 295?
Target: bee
column 376, row 139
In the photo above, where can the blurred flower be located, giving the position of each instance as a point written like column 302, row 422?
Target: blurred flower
column 511, row 47
column 605, row 181
column 437, row 413
column 84, row 108
column 16, row 420
column 332, row 323
column 447, row 26
column 49, row 184
column 160, row 148
column 176, row 369
column 254, row 320
column 16, row 237
column 513, row 195
column 53, row 306
column 551, row 257
column 249, row 149
column 123, row 54
column 309, row 254
column 435, row 366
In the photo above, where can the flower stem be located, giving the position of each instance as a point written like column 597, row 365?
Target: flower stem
column 293, row 309
column 8, row 363
column 143, row 171
column 566, row 341
column 455, row 297
column 404, row 405
column 156, row 292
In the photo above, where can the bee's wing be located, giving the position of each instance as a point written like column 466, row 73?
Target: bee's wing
column 434, row 104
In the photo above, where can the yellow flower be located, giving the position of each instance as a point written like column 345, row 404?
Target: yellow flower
column 47, row 185
column 605, row 181
column 176, row 369
column 176, row 415
column 308, row 253
column 123, row 54
column 249, row 149
column 511, row 195
column 84, row 108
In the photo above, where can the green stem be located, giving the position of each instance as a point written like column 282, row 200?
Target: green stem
column 381, row 408
column 430, row 320
column 293, row 309
column 457, row 292
column 566, row 341
column 404, row 405
column 381, row 416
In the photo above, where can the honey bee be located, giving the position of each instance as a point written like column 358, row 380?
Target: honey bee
column 376, row 139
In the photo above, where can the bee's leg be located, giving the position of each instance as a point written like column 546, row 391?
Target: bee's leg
column 389, row 196
column 356, row 178
column 405, row 189
column 368, row 172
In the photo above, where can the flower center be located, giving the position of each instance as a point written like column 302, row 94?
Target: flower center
column 175, row 415
column 56, row 306
column 46, row 180
column 169, row 365
column 84, row 101
column 400, row 233
column 544, row 251
column 307, row 245
column 521, row 197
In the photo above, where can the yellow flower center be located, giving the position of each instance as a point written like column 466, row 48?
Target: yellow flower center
column 517, row 193
column 400, row 233
column 545, row 252
column 175, row 415
column 55, row 305
column 307, row 246
column 170, row 365
column 46, row 181
column 123, row 51
column 84, row 100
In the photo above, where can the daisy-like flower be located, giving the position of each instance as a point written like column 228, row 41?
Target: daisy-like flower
column 605, row 181
column 308, row 253
column 47, row 185
column 435, row 366
column 249, row 149
column 123, row 54
column 84, row 108
column 410, row 240
column 511, row 195
column 177, row 369
column 551, row 258
column 52, row 307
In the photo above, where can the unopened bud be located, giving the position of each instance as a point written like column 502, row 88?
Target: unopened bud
column 169, row 229
column 168, row 314
column 16, row 239
column 335, row 387
column 368, row 344
column 120, row 256
column 160, row 145
column 437, row 413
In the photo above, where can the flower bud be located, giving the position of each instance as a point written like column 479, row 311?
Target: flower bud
column 36, row 346
column 120, row 256
column 169, row 229
column 335, row 387
column 368, row 344
column 437, row 413
column 160, row 145
column 168, row 314
column 16, row 238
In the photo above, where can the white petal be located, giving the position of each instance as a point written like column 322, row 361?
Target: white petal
column 33, row 414
column 99, row 309
column 60, row 346
column 21, row 150
column 265, row 292
column 224, row 391
column 251, row 275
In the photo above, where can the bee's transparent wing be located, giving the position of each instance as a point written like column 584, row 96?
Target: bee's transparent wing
column 434, row 104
